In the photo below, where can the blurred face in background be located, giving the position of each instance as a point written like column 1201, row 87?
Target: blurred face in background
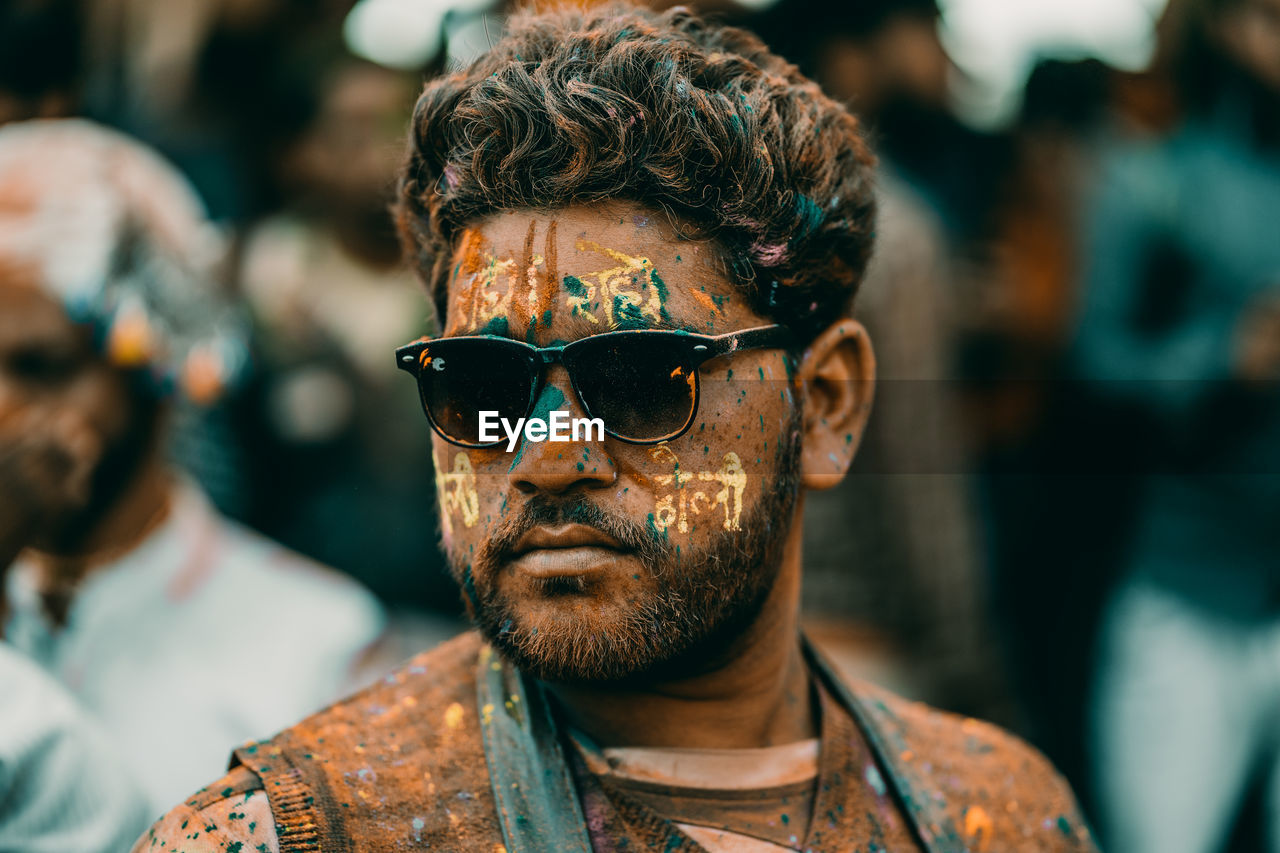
column 903, row 60
column 344, row 167
column 668, row 551
column 1249, row 31
column 66, row 416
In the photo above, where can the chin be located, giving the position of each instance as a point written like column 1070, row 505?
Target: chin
column 576, row 638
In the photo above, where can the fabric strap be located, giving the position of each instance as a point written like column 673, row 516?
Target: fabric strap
column 533, row 789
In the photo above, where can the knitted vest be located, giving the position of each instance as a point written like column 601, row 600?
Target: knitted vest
column 458, row 751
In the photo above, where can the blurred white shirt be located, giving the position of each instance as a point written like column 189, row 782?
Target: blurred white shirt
column 62, row 787
column 203, row 637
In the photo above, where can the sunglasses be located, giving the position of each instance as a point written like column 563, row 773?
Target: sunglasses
column 642, row 384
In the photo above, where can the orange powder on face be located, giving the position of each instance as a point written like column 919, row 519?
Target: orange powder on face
column 470, row 262
column 551, row 280
column 521, row 304
column 704, row 300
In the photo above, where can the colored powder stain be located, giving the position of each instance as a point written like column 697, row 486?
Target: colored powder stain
column 580, row 466
column 640, row 221
column 729, row 376
column 552, row 398
column 253, row 824
column 875, row 780
column 660, row 286
column 496, row 326
column 419, row 824
column 574, row 287
column 1064, row 825
column 626, row 315
column 848, row 438
column 762, row 423
column 677, row 259
column 531, row 332
column 719, row 300
column 469, row 587
column 653, row 528
column 518, row 456
column 235, row 847
column 761, row 369
column 786, row 818
column 811, row 215
column 546, row 317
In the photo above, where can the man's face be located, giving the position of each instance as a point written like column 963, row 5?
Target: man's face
column 604, row 560
column 62, row 407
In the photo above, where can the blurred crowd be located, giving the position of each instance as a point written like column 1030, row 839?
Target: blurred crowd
column 1065, row 516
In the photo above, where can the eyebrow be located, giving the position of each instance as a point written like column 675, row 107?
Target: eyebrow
column 585, row 328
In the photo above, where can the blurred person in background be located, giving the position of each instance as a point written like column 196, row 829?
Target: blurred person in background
column 894, row 585
column 886, row 59
column 1181, row 316
column 339, row 467
column 62, row 785
column 41, row 61
column 118, row 576
column 1057, row 510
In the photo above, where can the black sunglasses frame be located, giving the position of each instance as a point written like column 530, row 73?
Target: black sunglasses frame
column 700, row 349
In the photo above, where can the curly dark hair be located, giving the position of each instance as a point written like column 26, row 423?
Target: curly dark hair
column 663, row 109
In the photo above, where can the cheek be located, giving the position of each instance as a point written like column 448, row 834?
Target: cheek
column 703, row 483
column 457, row 496
column 470, row 491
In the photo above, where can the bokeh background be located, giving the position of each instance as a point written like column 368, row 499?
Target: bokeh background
column 1064, row 516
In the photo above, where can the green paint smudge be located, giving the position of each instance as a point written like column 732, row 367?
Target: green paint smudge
column 496, row 326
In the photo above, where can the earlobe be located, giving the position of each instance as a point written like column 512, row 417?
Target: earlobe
column 838, row 373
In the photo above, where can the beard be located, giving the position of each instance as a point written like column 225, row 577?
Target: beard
column 694, row 606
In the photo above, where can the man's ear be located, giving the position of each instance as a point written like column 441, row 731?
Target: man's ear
column 838, row 373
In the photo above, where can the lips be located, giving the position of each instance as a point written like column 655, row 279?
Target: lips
column 565, row 551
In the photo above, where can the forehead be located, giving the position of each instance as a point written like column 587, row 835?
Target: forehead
column 580, row 270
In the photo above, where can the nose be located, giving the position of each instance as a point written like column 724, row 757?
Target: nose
column 556, row 467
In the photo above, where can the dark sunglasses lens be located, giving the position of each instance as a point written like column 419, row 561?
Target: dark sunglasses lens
column 460, row 379
column 642, row 386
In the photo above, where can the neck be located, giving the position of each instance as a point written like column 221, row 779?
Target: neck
column 760, row 697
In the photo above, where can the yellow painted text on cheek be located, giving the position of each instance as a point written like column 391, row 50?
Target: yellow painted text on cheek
column 456, row 492
column 680, row 496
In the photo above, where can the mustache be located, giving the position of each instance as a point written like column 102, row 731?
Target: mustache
column 540, row 510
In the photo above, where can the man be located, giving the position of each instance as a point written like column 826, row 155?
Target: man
column 116, row 574
column 649, row 220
